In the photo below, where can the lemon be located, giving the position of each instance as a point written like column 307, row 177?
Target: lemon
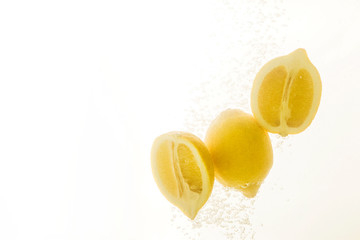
column 183, row 170
column 241, row 151
column 286, row 94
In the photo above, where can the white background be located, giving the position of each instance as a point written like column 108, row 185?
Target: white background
column 85, row 87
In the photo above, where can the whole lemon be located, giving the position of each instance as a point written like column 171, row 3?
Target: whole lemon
column 241, row 151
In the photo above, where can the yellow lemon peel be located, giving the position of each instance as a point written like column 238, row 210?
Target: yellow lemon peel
column 241, row 151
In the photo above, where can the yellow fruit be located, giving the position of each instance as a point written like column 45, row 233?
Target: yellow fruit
column 241, row 151
column 286, row 94
column 183, row 170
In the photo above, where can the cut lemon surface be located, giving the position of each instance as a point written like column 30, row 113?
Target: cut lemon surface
column 183, row 170
column 286, row 94
column 241, row 151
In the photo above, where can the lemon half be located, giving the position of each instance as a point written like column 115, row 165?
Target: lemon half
column 286, row 94
column 183, row 170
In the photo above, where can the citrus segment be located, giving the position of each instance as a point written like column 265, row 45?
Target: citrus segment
column 167, row 172
column 286, row 94
column 271, row 93
column 300, row 98
column 241, row 151
column 183, row 170
column 190, row 172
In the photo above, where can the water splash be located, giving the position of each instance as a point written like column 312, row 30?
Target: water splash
column 244, row 35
